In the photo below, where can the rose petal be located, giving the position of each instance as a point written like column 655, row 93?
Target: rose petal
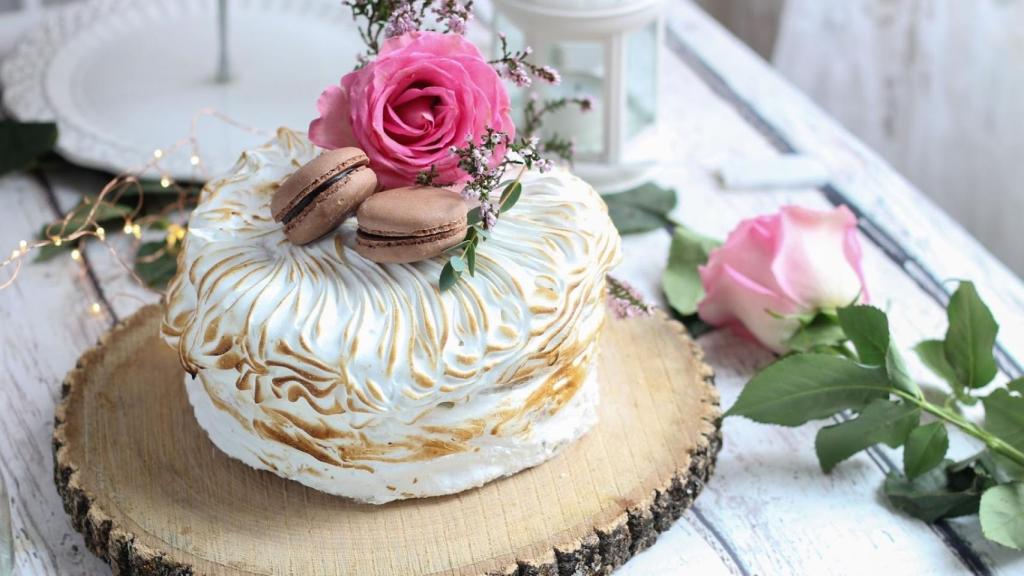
column 812, row 263
column 333, row 129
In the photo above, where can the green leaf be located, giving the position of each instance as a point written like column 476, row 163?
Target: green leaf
column 929, row 497
column 641, row 209
column 1016, row 386
column 458, row 264
column 926, row 447
column 105, row 213
column 448, row 277
column 821, row 331
column 474, row 217
column 23, row 143
column 1004, row 417
column 1002, row 515
column 970, row 338
column 868, row 329
column 806, row 387
column 471, row 260
column 51, row 251
column 681, row 281
column 510, row 196
column 899, row 376
column 933, row 356
column 155, row 264
column 879, row 421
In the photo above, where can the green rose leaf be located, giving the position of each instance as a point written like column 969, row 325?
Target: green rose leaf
column 681, row 281
column 1004, row 417
column 899, row 376
column 932, row 353
column 929, row 497
column 970, row 338
column 1002, row 514
column 868, row 328
column 473, row 217
column 805, row 387
column 879, row 421
column 926, row 447
column 821, row 331
column 155, row 264
column 641, row 209
column 23, row 143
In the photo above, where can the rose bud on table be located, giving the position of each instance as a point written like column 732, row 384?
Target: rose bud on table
column 777, row 270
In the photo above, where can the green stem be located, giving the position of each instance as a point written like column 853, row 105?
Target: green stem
column 994, row 443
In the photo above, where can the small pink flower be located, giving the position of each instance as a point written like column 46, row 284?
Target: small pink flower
column 775, row 267
column 424, row 93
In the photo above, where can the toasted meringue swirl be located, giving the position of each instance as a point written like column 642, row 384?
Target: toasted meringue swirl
column 364, row 380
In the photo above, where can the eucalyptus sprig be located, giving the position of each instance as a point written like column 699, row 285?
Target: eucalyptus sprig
column 852, row 366
column 463, row 258
column 486, row 176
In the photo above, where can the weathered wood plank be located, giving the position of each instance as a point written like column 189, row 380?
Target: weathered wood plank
column 46, row 323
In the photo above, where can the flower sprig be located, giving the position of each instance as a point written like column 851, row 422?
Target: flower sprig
column 624, row 300
column 533, row 119
column 382, row 19
column 516, row 65
column 476, row 159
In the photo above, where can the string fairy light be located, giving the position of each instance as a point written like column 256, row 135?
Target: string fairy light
column 81, row 225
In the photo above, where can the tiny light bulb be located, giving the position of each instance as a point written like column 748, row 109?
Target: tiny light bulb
column 76, row 254
column 158, row 153
column 165, row 182
column 101, row 233
column 95, row 308
column 136, row 230
column 194, row 160
column 127, row 227
column 56, row 240
column 15, row 254
column 23, row 246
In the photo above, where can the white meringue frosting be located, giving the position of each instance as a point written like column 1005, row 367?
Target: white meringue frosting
column 364, row 380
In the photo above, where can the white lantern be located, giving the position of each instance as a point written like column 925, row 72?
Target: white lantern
column 608, row 50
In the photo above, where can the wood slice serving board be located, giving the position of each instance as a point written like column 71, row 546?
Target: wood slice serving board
column 152, row 495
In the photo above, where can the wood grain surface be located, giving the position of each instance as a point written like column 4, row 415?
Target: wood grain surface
column 152, row 495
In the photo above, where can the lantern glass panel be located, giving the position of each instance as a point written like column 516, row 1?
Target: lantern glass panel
column 641, row 79
column 581, row 65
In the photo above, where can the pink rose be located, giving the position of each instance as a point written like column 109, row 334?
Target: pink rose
column 796, row 262
column 425, row 93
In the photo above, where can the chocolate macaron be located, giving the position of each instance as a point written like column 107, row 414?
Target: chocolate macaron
column 320, row 195
column 410, row 224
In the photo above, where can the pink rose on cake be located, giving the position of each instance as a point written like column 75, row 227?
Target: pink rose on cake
column 424, row 93
column 775, row 268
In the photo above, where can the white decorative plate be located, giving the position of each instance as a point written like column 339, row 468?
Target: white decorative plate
column 124, row 77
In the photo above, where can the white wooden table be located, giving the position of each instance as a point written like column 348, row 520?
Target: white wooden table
column 768, row 509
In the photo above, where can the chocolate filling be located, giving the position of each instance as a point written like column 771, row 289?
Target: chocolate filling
column 309, row 198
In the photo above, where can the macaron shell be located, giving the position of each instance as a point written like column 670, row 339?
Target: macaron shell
column 306, row 179
column 406, row 250
column 332, row 207
column 412, row 211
